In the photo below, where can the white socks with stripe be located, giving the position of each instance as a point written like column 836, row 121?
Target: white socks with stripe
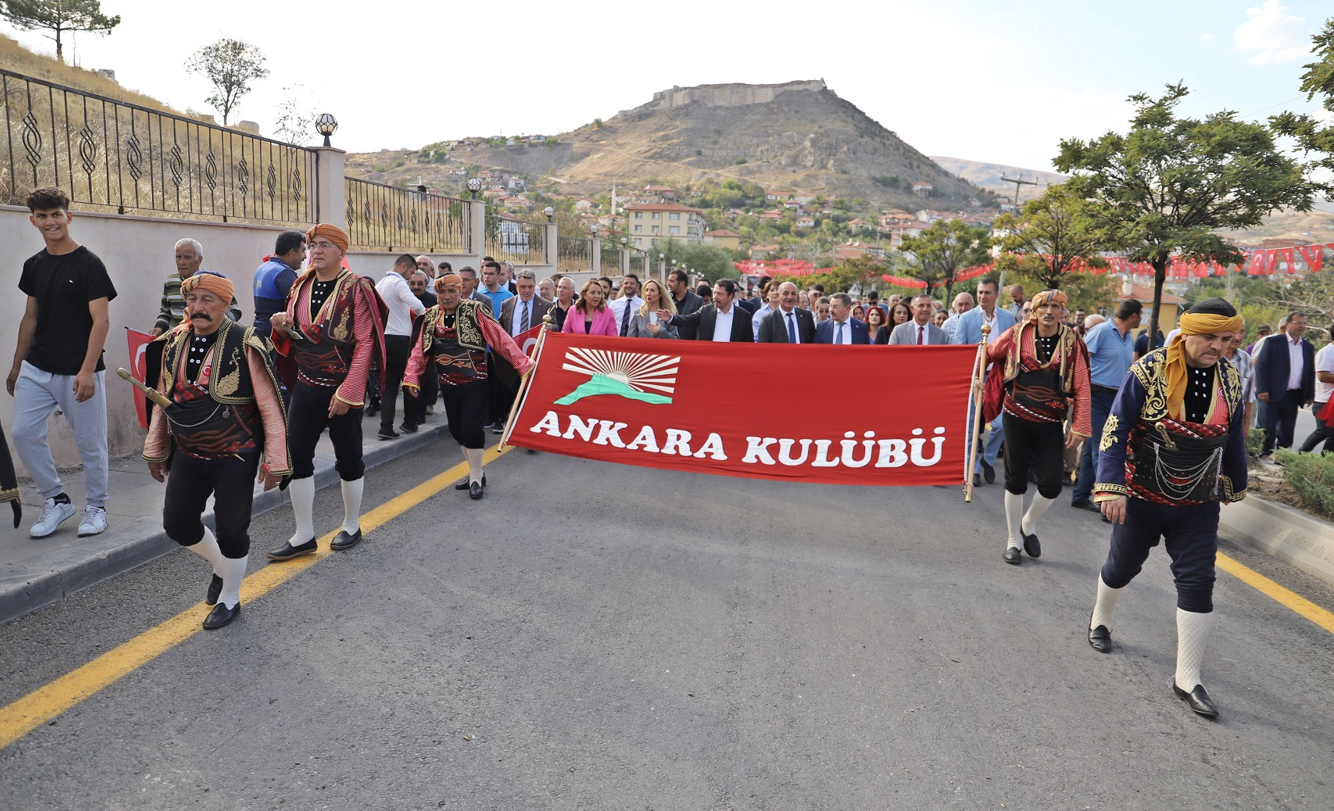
column 1192, row 636
column 207, row 548
column 1035, row 511
column 232, row 573
column 352, row 504
column 1014, row 510
column 1104, row 605
column 302, row 494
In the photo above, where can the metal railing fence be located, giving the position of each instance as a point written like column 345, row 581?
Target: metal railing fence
column 575, row 255
column 512, row 240
column 390, row 218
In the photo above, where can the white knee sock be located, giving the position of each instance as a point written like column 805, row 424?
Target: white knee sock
column 474, row 456
column 1035, row 510
column 1192, row 637
column 302, row 494
column 232, row 573
column 1104, row 605
column 207, row 548
column 1014, row 510
column 352, row 505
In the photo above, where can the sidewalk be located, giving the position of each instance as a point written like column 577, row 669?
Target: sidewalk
column 38, row 571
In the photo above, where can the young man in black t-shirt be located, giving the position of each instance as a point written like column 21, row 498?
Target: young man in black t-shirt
column 58, row 364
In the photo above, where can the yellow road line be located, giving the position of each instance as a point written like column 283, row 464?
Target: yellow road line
column 48, row 702
column 1288, row 599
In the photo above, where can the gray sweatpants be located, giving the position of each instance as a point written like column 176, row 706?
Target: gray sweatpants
column 36, row 395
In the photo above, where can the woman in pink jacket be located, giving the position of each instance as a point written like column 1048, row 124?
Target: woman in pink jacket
column 590, row 315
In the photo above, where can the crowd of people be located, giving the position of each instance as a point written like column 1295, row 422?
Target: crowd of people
column 1154, row 439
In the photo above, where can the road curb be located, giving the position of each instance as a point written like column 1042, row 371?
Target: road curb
column 23, row 591
column 1288, row 534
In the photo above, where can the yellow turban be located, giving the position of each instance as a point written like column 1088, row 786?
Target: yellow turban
column 448, row 280
column 332, row 233
column 1193, row 323
column 1046, row 297
column 216, row 284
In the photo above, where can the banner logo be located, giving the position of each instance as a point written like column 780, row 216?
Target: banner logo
column 632, row 375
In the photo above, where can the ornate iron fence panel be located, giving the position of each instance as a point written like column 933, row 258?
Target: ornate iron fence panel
column 574, row 255
column 389, row 218
column 641, row 264
column 122, row 158
column 517, row 241
column 611, row 258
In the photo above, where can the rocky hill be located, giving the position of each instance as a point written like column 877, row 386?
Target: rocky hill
column 798, row 136
column 988, row 176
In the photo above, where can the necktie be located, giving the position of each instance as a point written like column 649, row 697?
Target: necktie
column 919, row 335
column 625, row 318
column 838, row 339
column 523, row 325
column 791, row 330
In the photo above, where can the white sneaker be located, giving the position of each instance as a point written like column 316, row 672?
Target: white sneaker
column 94, row 522
column 53, row 515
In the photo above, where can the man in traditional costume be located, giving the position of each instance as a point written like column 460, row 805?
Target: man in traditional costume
column 1173, row 451
column 451, row 342
column 1045, row 370
column 226, row 410
column 334, row 325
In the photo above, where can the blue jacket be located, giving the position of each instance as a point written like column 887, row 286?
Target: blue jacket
column 969, row 329
column 273, row 282
column 1272, row 367
column 824, row 331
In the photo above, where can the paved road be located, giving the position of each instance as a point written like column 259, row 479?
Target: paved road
column 601, row 637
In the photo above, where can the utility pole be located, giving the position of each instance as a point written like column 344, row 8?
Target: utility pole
column 1017, row 181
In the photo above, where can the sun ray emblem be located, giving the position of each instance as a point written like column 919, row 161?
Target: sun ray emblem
column 632, row 375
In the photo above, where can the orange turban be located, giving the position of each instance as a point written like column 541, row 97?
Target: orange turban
column 214, row 283
column 332, row 233
column 1046, row 297
column 449, row 280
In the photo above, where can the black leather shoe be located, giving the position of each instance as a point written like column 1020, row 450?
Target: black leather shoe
column 1101, row 639
column 408, row 428
column 1011, row 555
column 977, row 480
column 388, row 432
column 463, row 484
column 988, row 472
column 343, row 541
column 475, row 490
column 214, row 589
column 499, row 429
column 1032, row 545
column 1088, row 506
column 1198, row 700
column 287, row 551
column 220, row 616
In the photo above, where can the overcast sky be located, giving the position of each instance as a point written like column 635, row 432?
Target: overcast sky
column 976, row 79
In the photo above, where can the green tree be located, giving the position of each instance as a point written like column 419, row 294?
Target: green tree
column 230, row 65
column 1311, row 135
column 938, row 254
column 58, row 17
column 1164, row 187
column 1051, row 237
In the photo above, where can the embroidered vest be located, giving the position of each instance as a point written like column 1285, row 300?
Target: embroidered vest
column 216, row 416
column 325, row 356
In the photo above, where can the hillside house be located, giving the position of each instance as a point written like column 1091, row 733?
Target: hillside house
column 922, row 189
column 857, row 225
column 804, row 198
column 758, row 252
column 664, row 193
column 805, row 221
column 650, row 221
column 770, row 215
column 723, row 239
column 584, row 204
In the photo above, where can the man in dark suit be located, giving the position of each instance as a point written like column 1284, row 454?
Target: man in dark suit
column 920, row 330
column 722, row 321
column 1284, row 381
column 789, row 324
column 678, row 282
column 518, row 314
column 840, row 327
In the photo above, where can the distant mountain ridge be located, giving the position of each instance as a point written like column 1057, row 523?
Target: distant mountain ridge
column 989, row 176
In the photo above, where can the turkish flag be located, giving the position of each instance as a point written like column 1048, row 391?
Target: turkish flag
column 139, row 342
column 742, row 409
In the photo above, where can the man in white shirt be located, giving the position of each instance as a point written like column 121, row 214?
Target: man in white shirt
column 840, row 328
column 962, row 304
column 627, row 304
column 722, row 321
column 919, row 331
column 1324, row 392
column 403, row 305
column 969, row 331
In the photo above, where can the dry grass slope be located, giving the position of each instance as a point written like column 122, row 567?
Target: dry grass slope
column 14, row 57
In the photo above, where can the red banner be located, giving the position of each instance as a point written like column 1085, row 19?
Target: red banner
column 765, row 411
column 139, row 342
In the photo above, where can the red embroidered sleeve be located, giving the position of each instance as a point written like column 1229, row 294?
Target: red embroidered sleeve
column 1081, row 422
column 416, row 361
column 501, row 342
column 157, row 445
column 353, row 389
column 269, row 402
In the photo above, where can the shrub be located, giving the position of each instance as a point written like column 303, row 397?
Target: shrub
column 1255, row 442
column 1312, row 477
column 740, row 161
